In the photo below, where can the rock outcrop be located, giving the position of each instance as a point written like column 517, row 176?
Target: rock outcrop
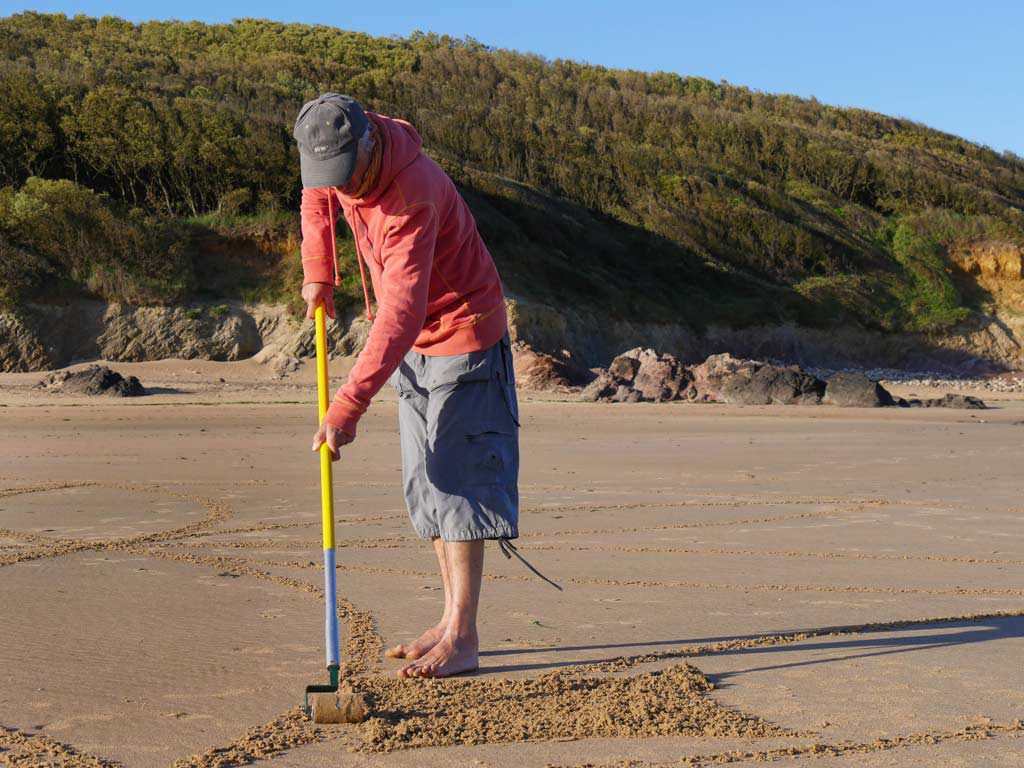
column 640, row 375
column 221, row 332
column 997, row 268
column 541, row 372
column 94, row 380
column 558, row 347
column 726, row 379
column 39, row 337
column 20, row 348
column 987, row 343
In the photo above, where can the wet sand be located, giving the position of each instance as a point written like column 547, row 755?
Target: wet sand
column 793, row 585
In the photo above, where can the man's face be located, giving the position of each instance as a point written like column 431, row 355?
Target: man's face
column 362, row 161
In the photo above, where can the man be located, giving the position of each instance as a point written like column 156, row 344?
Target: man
column 440, row 335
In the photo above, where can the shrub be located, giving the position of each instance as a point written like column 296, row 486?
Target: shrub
column 919, row 246
column 59, row 232
column 235, row 202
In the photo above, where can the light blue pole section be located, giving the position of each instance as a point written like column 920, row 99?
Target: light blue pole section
column 331, row 607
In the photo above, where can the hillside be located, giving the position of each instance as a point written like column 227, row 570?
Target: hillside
column 152, row 164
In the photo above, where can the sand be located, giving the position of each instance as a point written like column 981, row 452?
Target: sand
column 742, row 585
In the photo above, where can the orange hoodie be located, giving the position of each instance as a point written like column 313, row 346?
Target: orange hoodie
column 436, row 286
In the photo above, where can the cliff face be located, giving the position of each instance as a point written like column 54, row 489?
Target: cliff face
column 997, row 270
column 40, row 337
column 984, row 344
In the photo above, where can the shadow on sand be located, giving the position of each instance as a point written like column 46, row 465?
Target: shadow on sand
column 874, row 642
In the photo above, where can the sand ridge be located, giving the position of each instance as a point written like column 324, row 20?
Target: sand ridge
column 414, row 713
column 974, row 732
column 290, row 730
column 38, row 751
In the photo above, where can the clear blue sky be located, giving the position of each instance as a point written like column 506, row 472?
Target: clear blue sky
column 956, row 66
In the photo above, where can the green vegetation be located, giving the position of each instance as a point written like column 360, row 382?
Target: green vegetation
column 55, row 233
column 648, row 195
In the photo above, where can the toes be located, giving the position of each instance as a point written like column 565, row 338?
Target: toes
column 398, row 652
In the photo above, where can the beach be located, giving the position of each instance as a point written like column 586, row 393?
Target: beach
column 793, row 584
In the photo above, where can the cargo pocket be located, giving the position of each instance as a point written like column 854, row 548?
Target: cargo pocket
column 491, row 433
column 491, row 457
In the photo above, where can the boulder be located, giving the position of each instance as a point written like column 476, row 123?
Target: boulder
column 605, row 388
column 726, row 379
column 539, row 371
column 94, row 380
column 640, row 375
column 856, row 390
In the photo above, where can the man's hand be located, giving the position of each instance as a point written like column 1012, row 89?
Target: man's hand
column 315, row 294
column 334, row 438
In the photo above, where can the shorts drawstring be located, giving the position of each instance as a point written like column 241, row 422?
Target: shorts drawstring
column 508, row 549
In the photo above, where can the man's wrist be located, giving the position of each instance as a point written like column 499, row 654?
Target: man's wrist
column 343, row 415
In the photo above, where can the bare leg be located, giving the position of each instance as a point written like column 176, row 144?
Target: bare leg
column 456, row 651
column 429, row 638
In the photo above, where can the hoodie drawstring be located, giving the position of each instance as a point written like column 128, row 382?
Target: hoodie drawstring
column 362, row 271
column 508, row 549
column 359, row 257
column 334, row 245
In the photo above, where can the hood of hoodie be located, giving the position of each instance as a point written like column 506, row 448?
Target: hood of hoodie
column 402, row 145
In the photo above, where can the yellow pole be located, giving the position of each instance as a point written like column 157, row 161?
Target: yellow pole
column 326, row 478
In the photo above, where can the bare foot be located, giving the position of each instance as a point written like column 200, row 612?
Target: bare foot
column 451, row 656
column 421, row 646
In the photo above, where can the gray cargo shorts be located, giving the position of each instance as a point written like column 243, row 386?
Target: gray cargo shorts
column 459, row 423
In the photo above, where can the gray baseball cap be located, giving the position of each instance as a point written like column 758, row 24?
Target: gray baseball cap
column 327, row 131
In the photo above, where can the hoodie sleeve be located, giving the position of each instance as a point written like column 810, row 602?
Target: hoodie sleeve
column 317, row 229
column 406, row 257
